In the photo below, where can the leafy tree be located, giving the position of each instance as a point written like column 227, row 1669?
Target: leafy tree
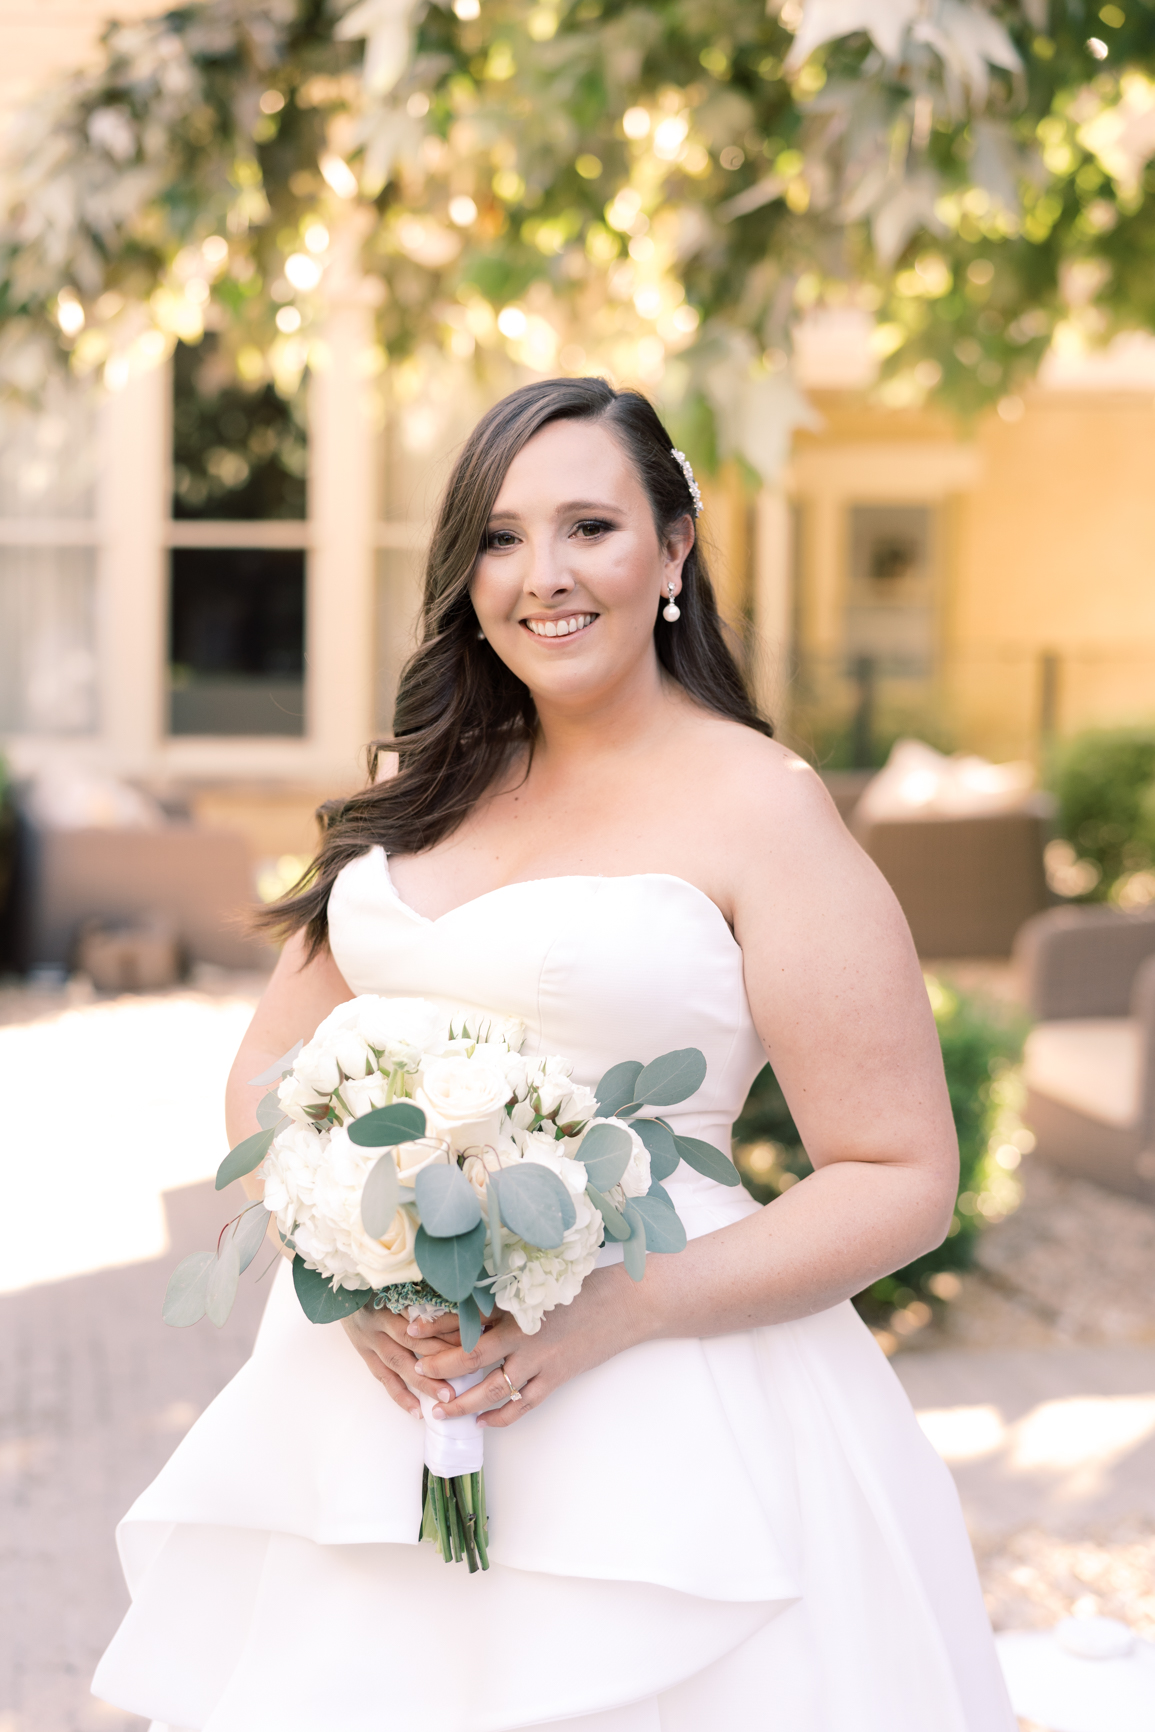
column 659, row 189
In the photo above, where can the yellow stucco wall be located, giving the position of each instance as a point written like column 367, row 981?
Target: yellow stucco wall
column 1047, row 546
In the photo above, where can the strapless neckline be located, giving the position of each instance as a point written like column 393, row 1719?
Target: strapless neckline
column 553, row 878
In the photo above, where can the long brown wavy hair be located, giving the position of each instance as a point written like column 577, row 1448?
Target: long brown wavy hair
column 461, row 716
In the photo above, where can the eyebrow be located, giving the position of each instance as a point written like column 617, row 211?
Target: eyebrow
column 569, row 505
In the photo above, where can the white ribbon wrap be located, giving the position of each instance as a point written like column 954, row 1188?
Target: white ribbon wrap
column 453, row 1446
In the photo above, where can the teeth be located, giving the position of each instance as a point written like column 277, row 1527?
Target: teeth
column 560, row 627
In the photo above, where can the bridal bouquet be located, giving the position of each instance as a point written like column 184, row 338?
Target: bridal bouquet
column 412, row 1158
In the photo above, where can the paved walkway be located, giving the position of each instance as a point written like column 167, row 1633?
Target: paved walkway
column 1052, row 1447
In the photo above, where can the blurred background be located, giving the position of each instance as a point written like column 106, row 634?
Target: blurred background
column 885, row 270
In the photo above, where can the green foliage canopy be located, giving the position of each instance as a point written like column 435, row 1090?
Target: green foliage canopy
column 661, row 190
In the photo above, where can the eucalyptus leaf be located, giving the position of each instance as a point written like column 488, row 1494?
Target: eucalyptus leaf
column 244, row 1158
column 451, row 1265
column 380, row 1196
column 222, row 1283
column 534, row 1204
column 484, row 1300
column 675, row 1076
column 248, row 1234
column 469, row 1322
column 615, row 1224
column 659, row 1140
column 270, row 1113
column 184, row 1297
column 617, row 1086
column 664, row 1229
column 634, row 1249
column 385, row 1127
column 320, row 1300
column 447, row 1202
column 705, row 1158
column 604, row 1152
column 276, row 1071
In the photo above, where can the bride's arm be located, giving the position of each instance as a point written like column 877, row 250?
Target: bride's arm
column 838, row 999
column 300, row 994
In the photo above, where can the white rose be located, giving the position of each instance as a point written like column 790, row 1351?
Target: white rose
column 316, row 1065
column 410, row 1021
column 411, row 1158
column 579, row 1107
column 636, row 1179
column 547, row 1152
column 390, row 1258
column 363, row 1094
column 463, row 1100
column 296, row 1098
column 522, row 1115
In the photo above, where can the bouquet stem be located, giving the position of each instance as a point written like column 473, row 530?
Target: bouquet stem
column 454, row 1518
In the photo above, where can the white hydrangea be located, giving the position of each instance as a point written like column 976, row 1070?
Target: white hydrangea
column 534, row 1281
column 636, row 1179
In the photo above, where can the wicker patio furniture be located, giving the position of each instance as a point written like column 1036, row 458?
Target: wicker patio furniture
column 1090, row 1061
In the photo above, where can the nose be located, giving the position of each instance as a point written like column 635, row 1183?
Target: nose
column 548, row 578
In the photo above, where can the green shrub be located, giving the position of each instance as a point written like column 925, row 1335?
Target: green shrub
column 981, row 1045
column 1104, row 781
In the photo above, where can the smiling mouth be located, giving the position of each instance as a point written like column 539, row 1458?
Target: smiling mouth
column 568, row 626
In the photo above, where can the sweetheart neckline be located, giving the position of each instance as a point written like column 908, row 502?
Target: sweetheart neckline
column 553, row 878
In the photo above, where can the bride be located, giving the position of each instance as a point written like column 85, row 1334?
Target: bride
column 712, row 1507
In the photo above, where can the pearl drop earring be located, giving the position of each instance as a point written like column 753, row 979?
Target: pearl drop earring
column 671, row 611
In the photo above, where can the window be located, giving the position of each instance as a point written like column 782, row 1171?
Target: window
column 237, row 562
column 48, row 554
column 890, row 615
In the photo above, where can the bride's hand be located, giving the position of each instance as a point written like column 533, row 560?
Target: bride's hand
column 392, row 1347
column 573, row 1338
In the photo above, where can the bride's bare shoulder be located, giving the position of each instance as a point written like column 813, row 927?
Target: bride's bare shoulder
column 759, row 789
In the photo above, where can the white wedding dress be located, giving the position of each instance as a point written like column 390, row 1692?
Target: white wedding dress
column 743, row 1534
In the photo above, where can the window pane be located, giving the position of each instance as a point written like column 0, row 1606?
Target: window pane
column 890, row 601
column 237, row 641
column 238, row 455
column 47, row 640
column 48, row 458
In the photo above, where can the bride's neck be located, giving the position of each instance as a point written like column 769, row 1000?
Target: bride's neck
column 623, row 721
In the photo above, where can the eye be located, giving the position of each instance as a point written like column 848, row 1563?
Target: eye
column 591, row 527
column 498, row 539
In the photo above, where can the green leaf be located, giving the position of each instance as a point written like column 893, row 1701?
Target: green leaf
column 484, row 1300
column 634, row 1249
column 270, row 1113
column 385, row 1127
column 447, row 1202
column 660, row 1142
column 244, row 1158
column 675, row 1076
column 320, row 1300
column 451, row 1265
column 222, row 1284
column 615, row 1224
column 664, row 1229
column 380, row 1196
column 604, row 1152
column 534, row 1204
column 280, row 1068
column 184, row 1297
column 469, row 1321
column 617, row 1087
column 248, row 1233
column 705, row 1158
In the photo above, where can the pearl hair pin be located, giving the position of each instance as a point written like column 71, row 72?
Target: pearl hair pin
column 683, row 463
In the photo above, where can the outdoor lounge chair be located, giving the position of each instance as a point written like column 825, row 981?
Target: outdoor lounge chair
column 1090, row 1060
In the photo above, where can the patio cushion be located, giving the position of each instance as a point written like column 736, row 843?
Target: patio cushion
column 1094, row 1065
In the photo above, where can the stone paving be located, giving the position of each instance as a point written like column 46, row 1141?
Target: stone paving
column 1041, row 1400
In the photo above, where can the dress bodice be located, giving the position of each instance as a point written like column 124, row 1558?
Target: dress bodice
column 600, row 969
